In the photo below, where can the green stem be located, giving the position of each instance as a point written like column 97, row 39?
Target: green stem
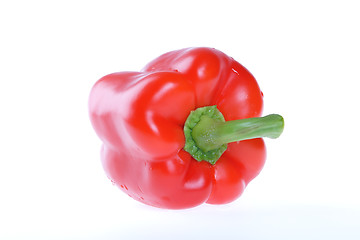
column 207, row 133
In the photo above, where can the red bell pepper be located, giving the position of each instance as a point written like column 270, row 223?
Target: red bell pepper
column 165, row 139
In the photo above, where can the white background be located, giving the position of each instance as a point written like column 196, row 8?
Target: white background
column 304, row 54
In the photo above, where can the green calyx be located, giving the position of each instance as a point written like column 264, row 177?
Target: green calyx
column 207, row 134
column 208, row 114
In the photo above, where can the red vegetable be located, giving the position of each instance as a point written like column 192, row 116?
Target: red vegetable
column 158, row 154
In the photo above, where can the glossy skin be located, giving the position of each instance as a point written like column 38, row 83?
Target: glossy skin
column 139, row 116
